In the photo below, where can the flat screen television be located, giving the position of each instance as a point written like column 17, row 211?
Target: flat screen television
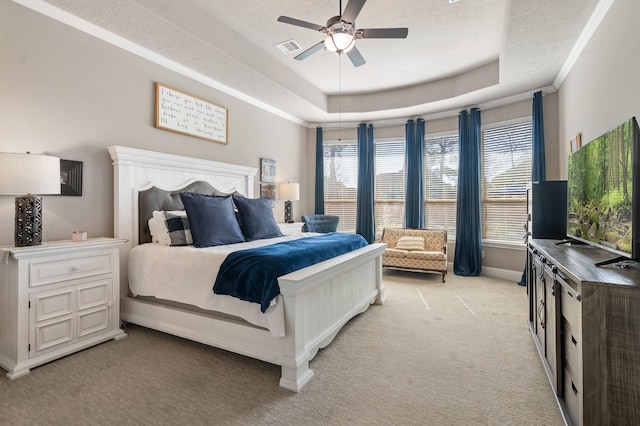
column 603, row 203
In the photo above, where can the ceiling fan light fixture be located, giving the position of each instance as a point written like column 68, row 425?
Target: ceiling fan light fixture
column 339, row 42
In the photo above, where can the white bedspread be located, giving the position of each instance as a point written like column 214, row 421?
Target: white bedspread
column 186, row 275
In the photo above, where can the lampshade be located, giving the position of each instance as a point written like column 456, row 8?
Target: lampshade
column 289, row 191
column 339, row 42
column 29, row 174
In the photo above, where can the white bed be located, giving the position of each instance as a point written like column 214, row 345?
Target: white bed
column 314, row 304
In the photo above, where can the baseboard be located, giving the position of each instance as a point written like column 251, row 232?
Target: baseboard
column 504, row 274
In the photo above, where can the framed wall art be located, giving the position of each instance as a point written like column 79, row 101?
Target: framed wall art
column 267, row 170
column 575, row 143
column 70, row 177
column 180, row 112
column 270, row 192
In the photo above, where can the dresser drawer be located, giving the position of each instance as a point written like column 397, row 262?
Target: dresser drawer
column 572, row 354
column 572, row 396
column 62, row 269
column 570, row 303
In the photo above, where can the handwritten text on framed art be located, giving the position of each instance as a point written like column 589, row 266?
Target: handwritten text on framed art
column 179, row 112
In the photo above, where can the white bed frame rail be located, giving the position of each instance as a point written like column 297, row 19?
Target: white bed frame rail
column 317, row 300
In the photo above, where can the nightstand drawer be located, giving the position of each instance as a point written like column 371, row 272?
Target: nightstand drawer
column 57, row 269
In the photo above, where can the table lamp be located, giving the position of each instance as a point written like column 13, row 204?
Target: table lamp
column 288, row 191
column 26, row 175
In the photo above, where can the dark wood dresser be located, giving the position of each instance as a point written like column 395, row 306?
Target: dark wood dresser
column 585, row 321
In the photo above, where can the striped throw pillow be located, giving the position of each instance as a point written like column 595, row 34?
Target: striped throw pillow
column 410, row 243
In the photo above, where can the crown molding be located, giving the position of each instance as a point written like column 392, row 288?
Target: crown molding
column 87, row 27
column 593, row 23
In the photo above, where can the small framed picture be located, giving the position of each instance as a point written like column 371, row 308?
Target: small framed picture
column 70, row 177
column 267, row 170
column 575, row 143
column 269, row 191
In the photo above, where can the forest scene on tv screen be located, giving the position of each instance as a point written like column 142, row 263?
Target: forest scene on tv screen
column 600, row 189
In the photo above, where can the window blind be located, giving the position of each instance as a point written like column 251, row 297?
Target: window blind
column 389, row 184
column 340, row 183
column 441, row 182
column 506, row 174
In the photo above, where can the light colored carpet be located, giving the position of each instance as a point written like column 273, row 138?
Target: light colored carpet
column 458, row 353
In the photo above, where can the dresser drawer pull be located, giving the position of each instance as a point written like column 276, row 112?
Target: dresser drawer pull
column 574, row 389
column 574, row 341
column 76, row 267
column 570, row 291
column 541, row 312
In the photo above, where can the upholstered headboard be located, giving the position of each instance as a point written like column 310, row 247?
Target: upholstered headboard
column 136, row 171
column 156, row 198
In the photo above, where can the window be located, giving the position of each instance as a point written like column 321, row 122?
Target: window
column 506, row 173
column 389, row 184
column 341, row 183
column 441, row 182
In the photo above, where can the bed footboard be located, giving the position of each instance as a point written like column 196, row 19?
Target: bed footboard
column 322, row 298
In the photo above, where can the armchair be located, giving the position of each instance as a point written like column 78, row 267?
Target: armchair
column 320, row 223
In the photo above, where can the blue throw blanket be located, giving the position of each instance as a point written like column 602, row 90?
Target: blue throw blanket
column 252, row 274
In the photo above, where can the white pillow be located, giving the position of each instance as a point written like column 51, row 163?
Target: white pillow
column 180, row 234
column 410, row 243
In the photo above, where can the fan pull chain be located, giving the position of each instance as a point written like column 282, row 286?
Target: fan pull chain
column 339, row 96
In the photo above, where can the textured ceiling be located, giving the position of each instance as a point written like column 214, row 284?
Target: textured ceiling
column 456, row 55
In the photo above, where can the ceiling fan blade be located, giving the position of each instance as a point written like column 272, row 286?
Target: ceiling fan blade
column 384, row 33
column 313, row 49
column 356, row 57
column 300, row 23
column 352, row 9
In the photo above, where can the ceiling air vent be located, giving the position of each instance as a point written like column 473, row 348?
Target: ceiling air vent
column 289, row 46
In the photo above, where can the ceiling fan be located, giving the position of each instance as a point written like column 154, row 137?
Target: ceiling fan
column 341, row 33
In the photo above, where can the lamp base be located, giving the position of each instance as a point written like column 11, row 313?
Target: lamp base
column 28, row 221
column 288, row 212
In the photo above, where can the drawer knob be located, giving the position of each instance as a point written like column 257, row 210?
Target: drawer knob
column 75, row 268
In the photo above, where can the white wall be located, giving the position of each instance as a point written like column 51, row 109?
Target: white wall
column 603, row 88
column 71, row 95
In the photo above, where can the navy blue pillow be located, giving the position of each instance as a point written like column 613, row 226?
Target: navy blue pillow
column 256, row 218
column 211, row 219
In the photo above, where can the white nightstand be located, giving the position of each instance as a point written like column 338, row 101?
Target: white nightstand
column 290, row 228
column 57, row 298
